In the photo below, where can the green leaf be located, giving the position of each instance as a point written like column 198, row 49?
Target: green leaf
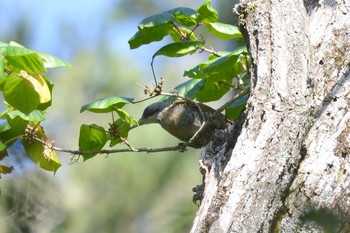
column 3, row 151
column 12, row 129
column 179, row 49
column 218, row 69
column 40, row 86
column 224, row 31
column 53, row 62
column 20, row 94
column 211, row 91
column 150, row 35
column 34, row 116
column 184, row 15
column 43, row 106
column 188, row 89
column 41, row 154
column 126, row 117
column 156, row 20
column 20, row 58
column 92, row 138
column 105, row 105
column 2, row 65
column 207, row 14
column 189, row 35
column 233, row 111
column 118, row 130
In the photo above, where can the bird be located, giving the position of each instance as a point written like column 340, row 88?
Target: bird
column 183, row 119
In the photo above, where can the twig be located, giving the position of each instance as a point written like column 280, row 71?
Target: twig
column 211, row 50
column 130, row 149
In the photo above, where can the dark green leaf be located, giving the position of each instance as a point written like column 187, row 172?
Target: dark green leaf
column 150, row 35
column 156, row 20
column 211, row 91
column 92, row 138
column 20, row 94
column 12, row 129
column 179, row 49
column 224, row 31
column 185, row 16
column 105, row 105
column 234, row 110
column 207, row 14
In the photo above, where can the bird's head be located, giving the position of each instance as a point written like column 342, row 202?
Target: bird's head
column 150, row 113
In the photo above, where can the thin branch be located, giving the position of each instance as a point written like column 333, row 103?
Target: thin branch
column 130, row 149
column 139, row 101
column 211, row 50
column 142, row 149
column 154, row 74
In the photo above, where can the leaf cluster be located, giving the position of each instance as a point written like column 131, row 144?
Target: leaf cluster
column 27, row 93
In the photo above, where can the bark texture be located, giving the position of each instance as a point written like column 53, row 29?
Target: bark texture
column 286, row 163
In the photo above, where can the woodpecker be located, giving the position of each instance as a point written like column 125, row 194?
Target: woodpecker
column 183, row 118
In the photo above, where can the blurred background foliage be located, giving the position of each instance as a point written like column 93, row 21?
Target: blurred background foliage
column 130, row 192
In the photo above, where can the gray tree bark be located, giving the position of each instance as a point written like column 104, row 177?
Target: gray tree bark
column 285, row 166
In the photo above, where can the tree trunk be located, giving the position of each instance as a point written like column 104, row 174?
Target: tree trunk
column 285, row 166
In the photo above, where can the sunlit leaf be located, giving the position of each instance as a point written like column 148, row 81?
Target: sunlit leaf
column 91, row 138
column 207, row 14
column 21, row 58
column 41, row 152
column 105, row 105
column 53, row 62
column 39, row 85
column 218, row 69
column 224, row 31
column 43, row 106
column 179, row 49
column 20, row 93
column 126, row 117
column 35, row 115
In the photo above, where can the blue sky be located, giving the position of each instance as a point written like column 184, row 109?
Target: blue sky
column 52, row 21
